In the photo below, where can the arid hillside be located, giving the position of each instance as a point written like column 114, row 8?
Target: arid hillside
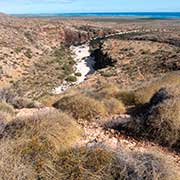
column 25, row 42
column 120, row 122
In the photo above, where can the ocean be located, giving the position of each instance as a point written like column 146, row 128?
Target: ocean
column 113, row 14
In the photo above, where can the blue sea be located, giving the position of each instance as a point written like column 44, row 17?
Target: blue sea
column 114, row 14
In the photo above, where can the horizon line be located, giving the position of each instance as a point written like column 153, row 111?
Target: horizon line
column 100, row 12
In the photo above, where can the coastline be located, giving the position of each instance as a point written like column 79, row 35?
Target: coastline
column 123, row 15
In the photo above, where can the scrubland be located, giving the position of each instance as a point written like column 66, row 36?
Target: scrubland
column 133, row 99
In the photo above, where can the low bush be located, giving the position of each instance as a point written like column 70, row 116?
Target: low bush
column 81, row 106
column 147, row 165
column 127, row 97
column 58, row 130
column 68, row 69
column 164, row 119
column 36, row 141
column 144, row 94
column 7, row 108
column 91, row 164
column 100, row 164
column 78, row 74
column 8, row 96
column 28, row 53
column 71, row 79
column 12, row 167
column 107, row 73
column 20, row 103
column 30, row 144
column 6, row 112
column 107, row 90
column 159, row 119
column 164, row 123
column 40, row 147
column 114, row 106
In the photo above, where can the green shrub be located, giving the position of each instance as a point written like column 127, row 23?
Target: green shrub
column 68, row 69
column 71, row 79
column 78, row 74
column 18, row 50
column 107, row 73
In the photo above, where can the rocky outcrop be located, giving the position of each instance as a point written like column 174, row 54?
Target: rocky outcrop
column 75, row 36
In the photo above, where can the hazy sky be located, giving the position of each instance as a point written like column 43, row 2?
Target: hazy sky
column 62, row 6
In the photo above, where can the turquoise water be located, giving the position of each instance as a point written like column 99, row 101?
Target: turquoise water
column 115, row 14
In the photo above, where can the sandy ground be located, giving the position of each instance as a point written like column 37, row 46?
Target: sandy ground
column 85, row 62
column 84, row 65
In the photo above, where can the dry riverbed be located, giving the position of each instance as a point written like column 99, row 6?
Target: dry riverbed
column 84, row 66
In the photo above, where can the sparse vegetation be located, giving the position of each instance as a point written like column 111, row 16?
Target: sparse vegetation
column 135, row 91
column 46, row 74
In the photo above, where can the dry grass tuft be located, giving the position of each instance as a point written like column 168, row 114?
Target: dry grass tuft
column 81, row 106
column 12, row 167
column 91, row 164
column 127, row 97
column 148, row 165
column 32, row 158
column 164, row 122
column 33, row 143
column 100, row 164
column 6, row 111
column 47, row 125
column 144, row 94
column 110, row 90
column 159, row 119
column 114, row 106
column 165, row 118
column 107, row 90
